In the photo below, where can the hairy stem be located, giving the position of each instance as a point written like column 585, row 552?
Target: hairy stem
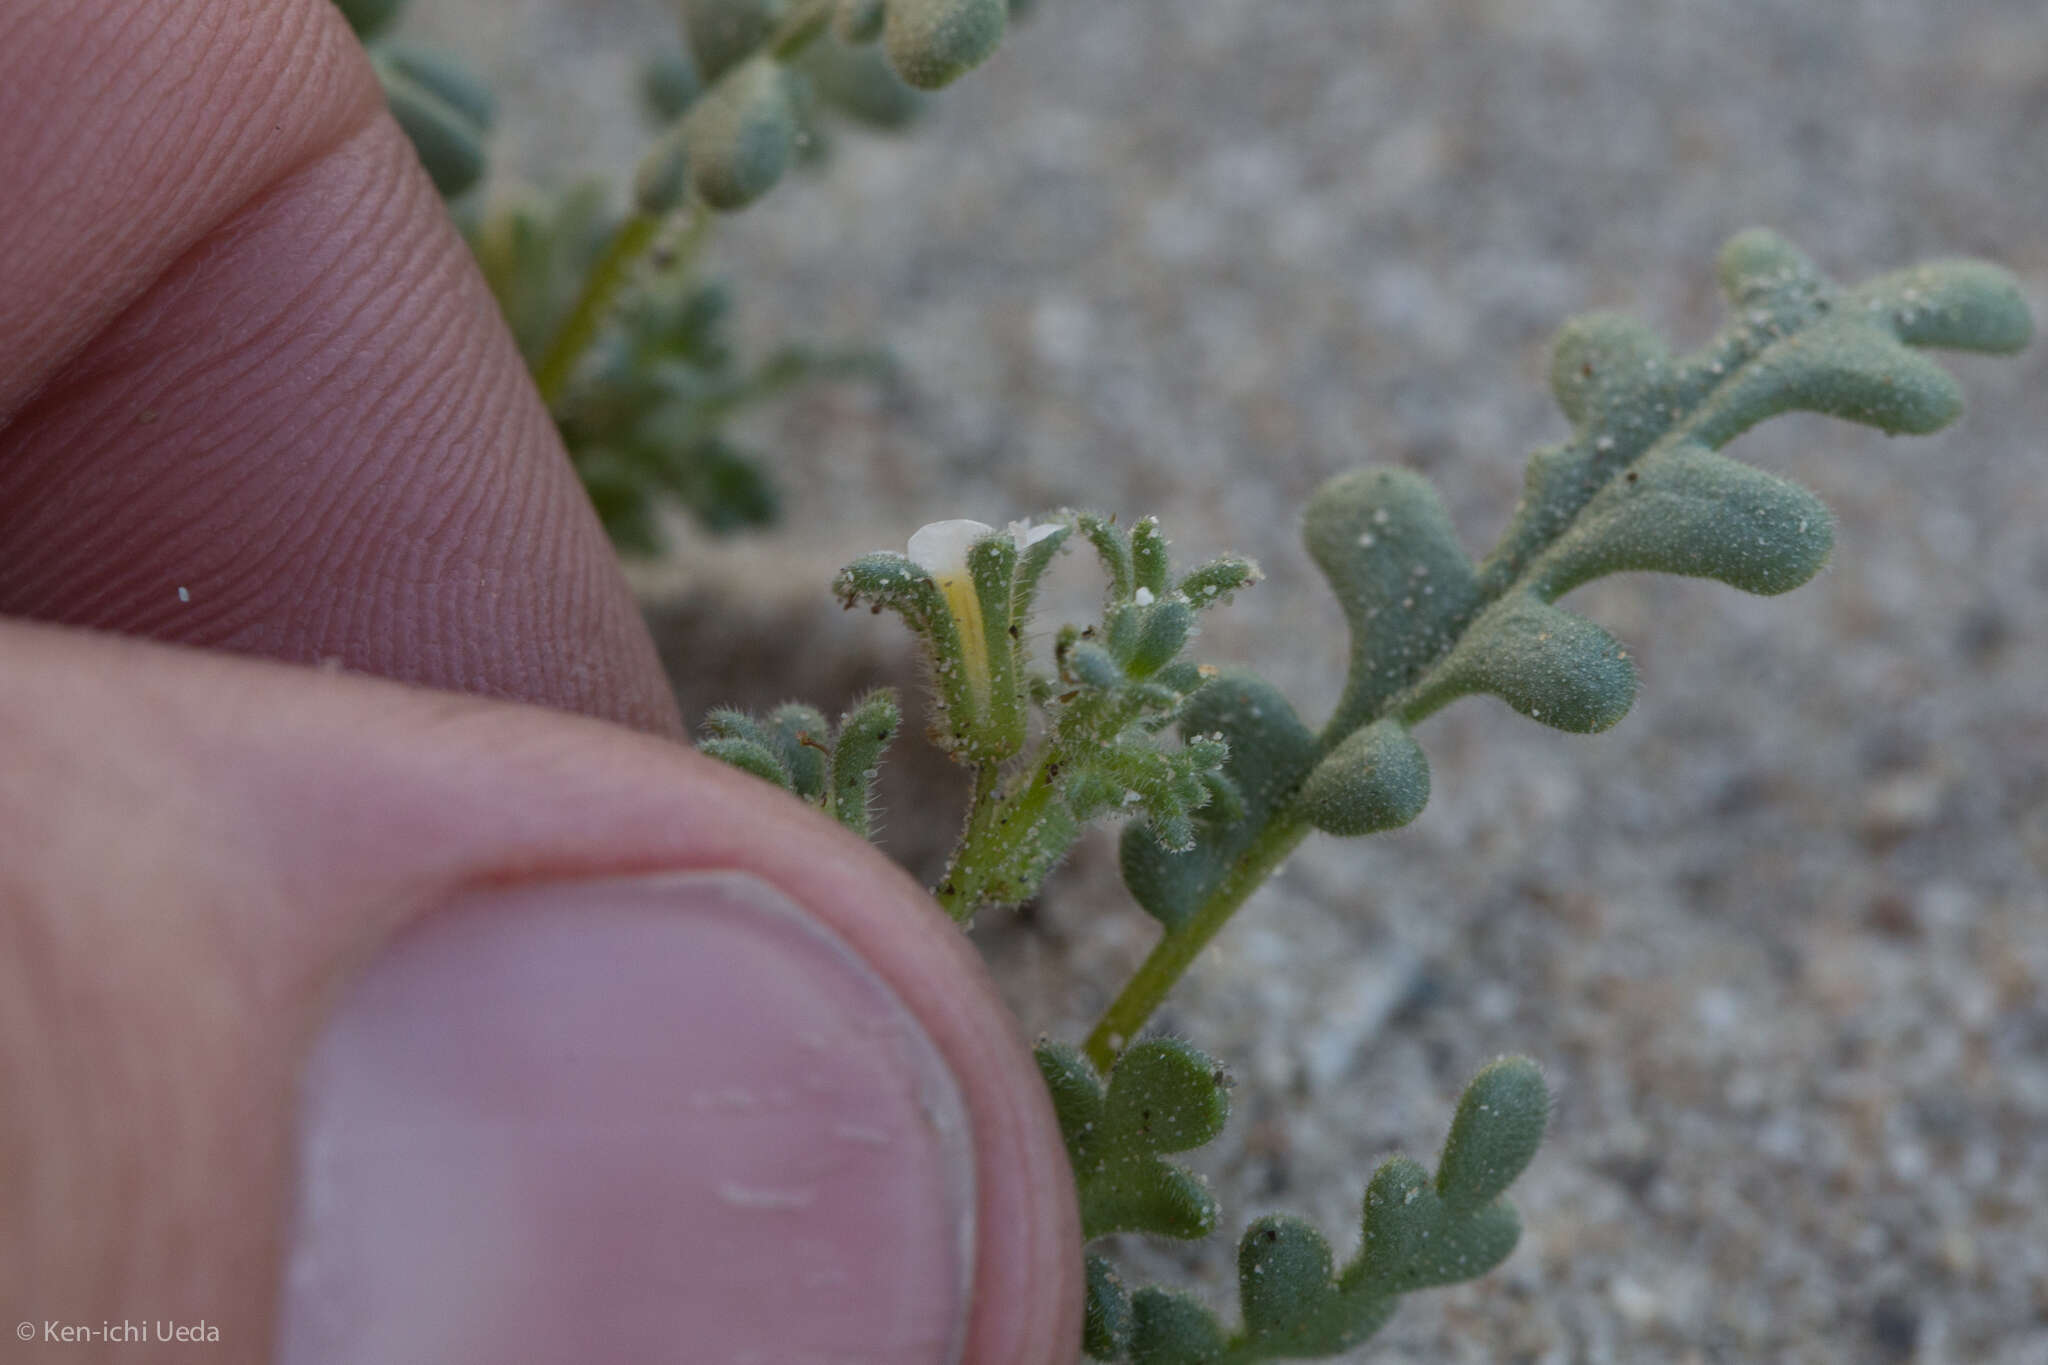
column 1002, row 828
column 601, row 289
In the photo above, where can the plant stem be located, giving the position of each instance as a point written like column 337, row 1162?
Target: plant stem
column 601, row 288
column 799, row 29
column 636, row 236
column 1171, row 956
column 1000, row 828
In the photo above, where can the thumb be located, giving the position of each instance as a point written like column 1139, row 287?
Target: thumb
column 376, row 1024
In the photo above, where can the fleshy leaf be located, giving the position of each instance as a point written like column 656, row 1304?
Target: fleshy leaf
column 1163, row 1096
column 1962, row 305
column 1218, row 579
column 448, row 138
column 933, row 42
column 1376, row 779
column 864, row 732
column 1148, row 556
column 795, row 749
column 1550, row 664
column 750, row 756
column 723, row 32
column 1499, row 1126
column 858, row 21
column 1687, row 510
column 1171, row 1328
column 742, row 134
column 1416, row 1233
column 1284, row 1277
column 368, row 17
column 803, row 741
column 1271, row 751
column 1383, row 539
column 1107, row 1320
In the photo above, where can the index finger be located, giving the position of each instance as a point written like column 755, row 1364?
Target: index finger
column 254, row 394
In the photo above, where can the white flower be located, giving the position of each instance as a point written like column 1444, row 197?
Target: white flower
column 1027, row 534
column 940, row 549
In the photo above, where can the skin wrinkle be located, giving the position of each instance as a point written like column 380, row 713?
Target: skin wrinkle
column 157, row 157
column 405, row 501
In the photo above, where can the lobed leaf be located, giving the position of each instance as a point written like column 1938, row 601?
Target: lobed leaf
column 1270, row 753
column 1385, row 542
column 1416, row 1232
column 1162, row 1096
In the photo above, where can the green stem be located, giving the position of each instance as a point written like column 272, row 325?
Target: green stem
column 601, row 289
column 636, row 236
column 1002, row 829
column 1171, row 956
column 799, row 29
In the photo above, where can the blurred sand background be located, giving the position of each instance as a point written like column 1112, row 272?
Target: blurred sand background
column 1781, row 937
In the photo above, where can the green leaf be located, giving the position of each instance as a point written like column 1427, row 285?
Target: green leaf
column 1271, row 752
column 1416, row 1233
column 1499, row 1126
column 749, row 756
column 1106, row 1322
column 1163, row 1096
column 1284, row 1279
column 864, row 732
column 1962, row 305
column 1171, row 1328
column 1215, row 581
column 369, row 17
column 1383, row 539
column 1148, row 556
column 445, row 75
column 669, row 85
column 723, row 33
column 858, row 83
column 1376, row 779
column 1162, row 629
column 741, row 134
column 1114, row 549
column 449, row 142
column 803, row 743
column 931, row 43
column 858, row 21
column 1686, row 510
column 1550, row 664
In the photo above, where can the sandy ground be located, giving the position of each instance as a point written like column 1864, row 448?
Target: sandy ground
column 1781, row 937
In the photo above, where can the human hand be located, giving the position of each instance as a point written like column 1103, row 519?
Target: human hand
column 362, row 1021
